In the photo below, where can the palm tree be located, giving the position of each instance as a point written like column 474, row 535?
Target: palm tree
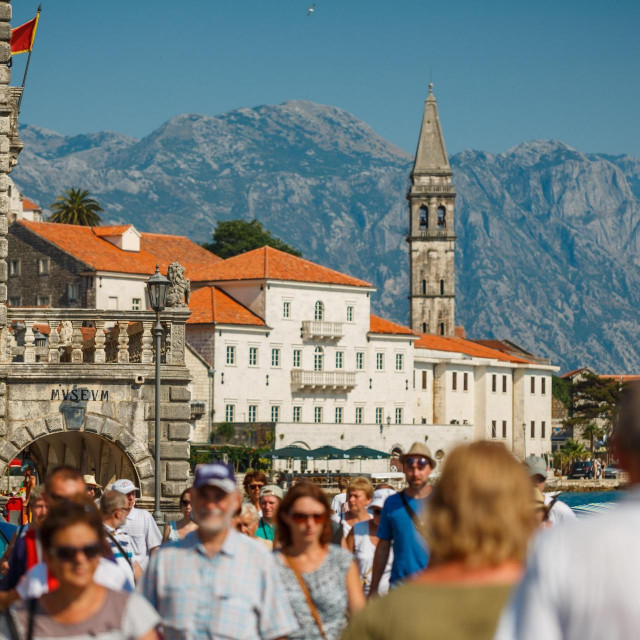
column 76, row 207
column 572, row 450
column 593, row 432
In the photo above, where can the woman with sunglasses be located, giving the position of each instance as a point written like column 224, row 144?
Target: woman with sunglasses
column 73, row 540
column 178, row 529
column 253, row 482
column 320, row 579
column 362, row 541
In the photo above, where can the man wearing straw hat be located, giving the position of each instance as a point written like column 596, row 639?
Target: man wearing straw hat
column 92, row 486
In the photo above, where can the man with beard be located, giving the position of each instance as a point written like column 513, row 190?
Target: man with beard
column 217, row 583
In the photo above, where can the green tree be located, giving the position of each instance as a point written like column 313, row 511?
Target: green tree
column 593, row 432
column 233, row 237
column 572, row 450
column 75, row 206
column 560, row 390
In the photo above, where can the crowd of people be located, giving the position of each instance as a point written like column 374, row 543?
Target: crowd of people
column 480, row 554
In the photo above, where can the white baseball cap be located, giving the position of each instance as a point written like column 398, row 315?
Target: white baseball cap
column 380, row 496
column 124, row 486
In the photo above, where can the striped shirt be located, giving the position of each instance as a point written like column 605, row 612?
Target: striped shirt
column 120, row 542
column 144, row 534
column 237, row 593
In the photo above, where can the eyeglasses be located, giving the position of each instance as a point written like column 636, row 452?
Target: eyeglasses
column 68, row 554
column 420, row 461
column 301, row 518
column 185, row 503
column 253, row 487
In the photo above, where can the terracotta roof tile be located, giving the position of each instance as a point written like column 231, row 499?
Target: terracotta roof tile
column 570, row 374
column 621, row 377
column 268, row 263
column 111, row 230
column 460, row 345
column 381, row 325
column 85, row 244
column 210, row 305
column 28, row 205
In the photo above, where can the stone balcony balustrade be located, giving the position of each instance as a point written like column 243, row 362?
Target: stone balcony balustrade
column 323, row 379
column 90, row 336
column 321, row 329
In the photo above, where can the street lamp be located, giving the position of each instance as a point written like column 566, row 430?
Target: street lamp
column 157, row 287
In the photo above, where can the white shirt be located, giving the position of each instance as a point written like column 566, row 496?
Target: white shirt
column 582, row 580
column 144, row 534
column 337, row 505
column 560, row 513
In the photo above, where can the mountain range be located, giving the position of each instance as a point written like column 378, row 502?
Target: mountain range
column 548, row 250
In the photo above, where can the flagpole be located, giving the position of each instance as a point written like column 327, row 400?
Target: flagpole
column 26, row 69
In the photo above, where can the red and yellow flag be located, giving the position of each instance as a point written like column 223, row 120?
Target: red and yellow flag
column 22, row 37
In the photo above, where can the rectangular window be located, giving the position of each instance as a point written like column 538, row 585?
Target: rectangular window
column 424, row 379
column 399, row 361
column 317, row 414
column 275, row 357
column 533, row 384
column 359, row 360
column 286, row 309
column 379, row 415
column 43, row 266
column 379, row 361
column 454, row 380
column 349, row 314
column 297, row 358
column 339, row 414
column 230, row 412
column 44, row 301
column 231, row 354
column 494, row 383
column 339, row 359
column 543, row 386
column 275, row 413
column 533, row 429
column 398, row 415
column 14, row 267
column 359, row 415
column 494, row 429
column 253, row 356
column 73, row 291
column 297, row 414
column 15, row 301
column 253, row 412
column 504, row 428
column 504, row 384
column 136, row 304
column 543, row 428
column 465, row 382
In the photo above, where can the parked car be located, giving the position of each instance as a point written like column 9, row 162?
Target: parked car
column 581, row 469
column 613, row 471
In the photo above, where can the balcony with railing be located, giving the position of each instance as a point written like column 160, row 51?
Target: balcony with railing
column 323, row 379
column 321, row 329
column 90, row 336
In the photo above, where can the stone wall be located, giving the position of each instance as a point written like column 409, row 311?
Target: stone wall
column 201, row 390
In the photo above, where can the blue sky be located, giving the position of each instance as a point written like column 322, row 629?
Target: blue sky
column 504, row 72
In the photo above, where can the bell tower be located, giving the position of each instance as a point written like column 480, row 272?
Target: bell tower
column 431, row 232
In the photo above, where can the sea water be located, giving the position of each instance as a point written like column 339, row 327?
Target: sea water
column 586, row 502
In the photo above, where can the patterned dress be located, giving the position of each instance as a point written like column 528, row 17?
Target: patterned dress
column 328, row 588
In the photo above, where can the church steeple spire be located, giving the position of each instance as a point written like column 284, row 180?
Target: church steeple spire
column 431, row 154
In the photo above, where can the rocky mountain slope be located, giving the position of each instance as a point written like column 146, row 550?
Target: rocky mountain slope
column 548, row 237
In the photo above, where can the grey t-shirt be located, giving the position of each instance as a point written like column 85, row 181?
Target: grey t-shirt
column 123, row 616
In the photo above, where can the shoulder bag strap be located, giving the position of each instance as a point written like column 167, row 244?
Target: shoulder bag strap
column 412, row 514
column 11, row 625
column 31, row 611
column 307, row 595
column 122, row 551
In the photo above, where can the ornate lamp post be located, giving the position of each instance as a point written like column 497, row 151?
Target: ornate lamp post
column 157, row 287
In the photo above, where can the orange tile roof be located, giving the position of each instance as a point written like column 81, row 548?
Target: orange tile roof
column 381, row 325
column 460, row 345
column 115, row 230
column 621, row 377
column 210, row 305
column 28, row 205
column 570, row 374
column 268, row 263
column 85, row 244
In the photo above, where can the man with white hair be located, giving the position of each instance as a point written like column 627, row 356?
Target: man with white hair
column 216, row 582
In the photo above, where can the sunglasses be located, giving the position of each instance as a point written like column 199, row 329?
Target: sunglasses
column 301, row 518
column 68, row 554
column 185, row 503
column 420, row 461
column 253, row 487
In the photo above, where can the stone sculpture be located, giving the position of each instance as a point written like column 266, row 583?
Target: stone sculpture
column 180, row 287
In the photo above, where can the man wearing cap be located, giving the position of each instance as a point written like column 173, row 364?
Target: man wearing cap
column 557, row 511
column 140, row 525
column 401, row 521
column 270, row 499
column 216, row 582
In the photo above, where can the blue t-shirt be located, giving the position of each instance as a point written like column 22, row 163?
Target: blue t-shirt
column 410, row 553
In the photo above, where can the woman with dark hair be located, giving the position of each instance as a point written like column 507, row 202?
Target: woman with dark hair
column 320, row 579
column 72, row 541
column 253, row 482
column 178, row 529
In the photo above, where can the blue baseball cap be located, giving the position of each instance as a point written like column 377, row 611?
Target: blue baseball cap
column 215, row 474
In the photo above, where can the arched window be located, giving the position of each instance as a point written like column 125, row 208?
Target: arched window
column 318, row 359
column 424, row 327
column 424, row 287
column 442, row 328
column 442, row 218
column 441, row 287
column 318, row 313
column 424, row 217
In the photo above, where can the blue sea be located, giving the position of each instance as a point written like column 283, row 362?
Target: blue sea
column 584, row 503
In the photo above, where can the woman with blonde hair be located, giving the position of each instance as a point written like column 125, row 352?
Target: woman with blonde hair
column 478, row 524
